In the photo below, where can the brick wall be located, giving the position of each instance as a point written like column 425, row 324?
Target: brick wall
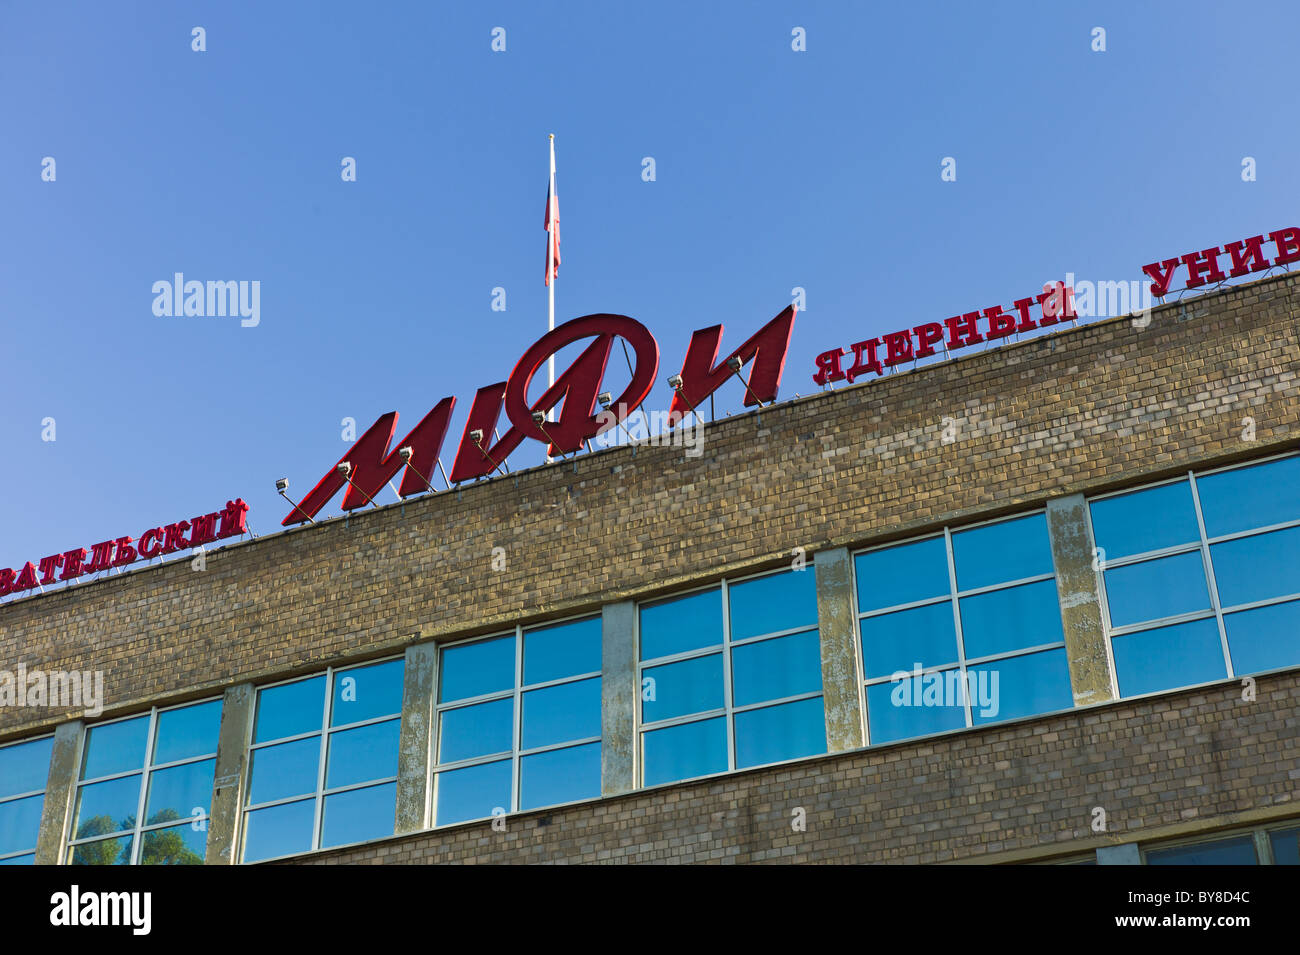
column 1082, row 409
column 1168, row 766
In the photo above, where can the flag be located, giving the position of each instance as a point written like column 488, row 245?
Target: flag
column 552, row 226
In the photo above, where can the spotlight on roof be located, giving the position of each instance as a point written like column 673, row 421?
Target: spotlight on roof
column 281, row 486
column 734, row 363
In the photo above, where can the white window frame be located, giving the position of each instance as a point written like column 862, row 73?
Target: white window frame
column 28, row 795
column 324, row 732
column 145, row 772
column 517, row 752
column 1215, row 611
column 728, row 709
column 953, row 598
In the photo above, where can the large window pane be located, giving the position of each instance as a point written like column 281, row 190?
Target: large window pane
column 562, row 650
column 20, row 820
column 24, row 767
column 362, row 754
column 110, row 806
column 359, row 815
column 104, row 852
column 915, row 707
column 473, row 792
column 187, row 731
column 478, row 730
column 1011, row 619
column 897, row 641
column 1158, row 588
column 364, row 693
column 1245, row 498
column 773, row 603
column 687, row 623
column 560, row 775
column 179, row 792
column 685, row 751
column 175, row 845
column 289, row 709
column 688, row 686
column 1257, row 567
column 1286, row 847
column 279, row 830
column 776, row 668
column 1239, row 851
column 115, row 747
column 1026, row 685
column 1168, row 657
column 1143, row 521
column 1266, row 638
column 903, row 574
column 775, row 733
column 284, row 770
column 560, row 713
column 997, row 553
column 475, row 669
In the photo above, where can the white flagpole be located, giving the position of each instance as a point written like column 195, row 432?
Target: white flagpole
column 550, row 270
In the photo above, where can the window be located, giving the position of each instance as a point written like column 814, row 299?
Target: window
column 731, row 677
column 23, row 770
column 1201, row 576
column 960, row 629
column 518, row 721
column 322, row 767
column 1239, row 850
column 145, row 788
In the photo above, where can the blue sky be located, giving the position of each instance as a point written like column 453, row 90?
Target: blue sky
column 774, row 169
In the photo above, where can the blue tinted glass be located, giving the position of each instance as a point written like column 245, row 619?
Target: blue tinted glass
column 110, row 806
column 1286, row 847
column 279, row 830
column 1152, row 519
column 284, row 770
column 478, row 730
column 685, row 751
column 361, row 754
column 1020, row 686
column 997, row 553
column 473, row 669
column 115, row 747
column 1156, row 588
column 902, row 574
column 772, row 669
column 473, row 792
column 1266, row 638
column 364, row 693
column 187, row 731
column 1168, row 657
column 687, row 623
column 559, row 775
column 561, row 713
column 775, row 733
column 688, row 686
column 1011, row 619
column 1245, row 498
column 911, row 707
column 24, row 767
column 359, row 815
column 897, row 641
column 29, row 859
column 290, row 709
column 566, row 649
column 1239, row 851
column 177, row 792
column 103, row 852
column 175, row 845
column 776, row 602
column 20, row 820
column 1257, row 568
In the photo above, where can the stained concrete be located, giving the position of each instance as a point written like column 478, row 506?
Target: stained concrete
column 1077, row 586
column 619, row 698
column 419, row 695
column 60, row 787
column 237, row 705
column 839, row 647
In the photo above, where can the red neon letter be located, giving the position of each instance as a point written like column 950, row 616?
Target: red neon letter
column 1162, row 273
column 764, row 352
column 828, row 366
column 1206, row 261
column 1288, row 245
column 1243, row 253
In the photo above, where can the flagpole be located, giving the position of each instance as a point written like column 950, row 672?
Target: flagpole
column 550, row 272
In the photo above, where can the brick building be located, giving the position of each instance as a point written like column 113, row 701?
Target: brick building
column 1050, row 613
